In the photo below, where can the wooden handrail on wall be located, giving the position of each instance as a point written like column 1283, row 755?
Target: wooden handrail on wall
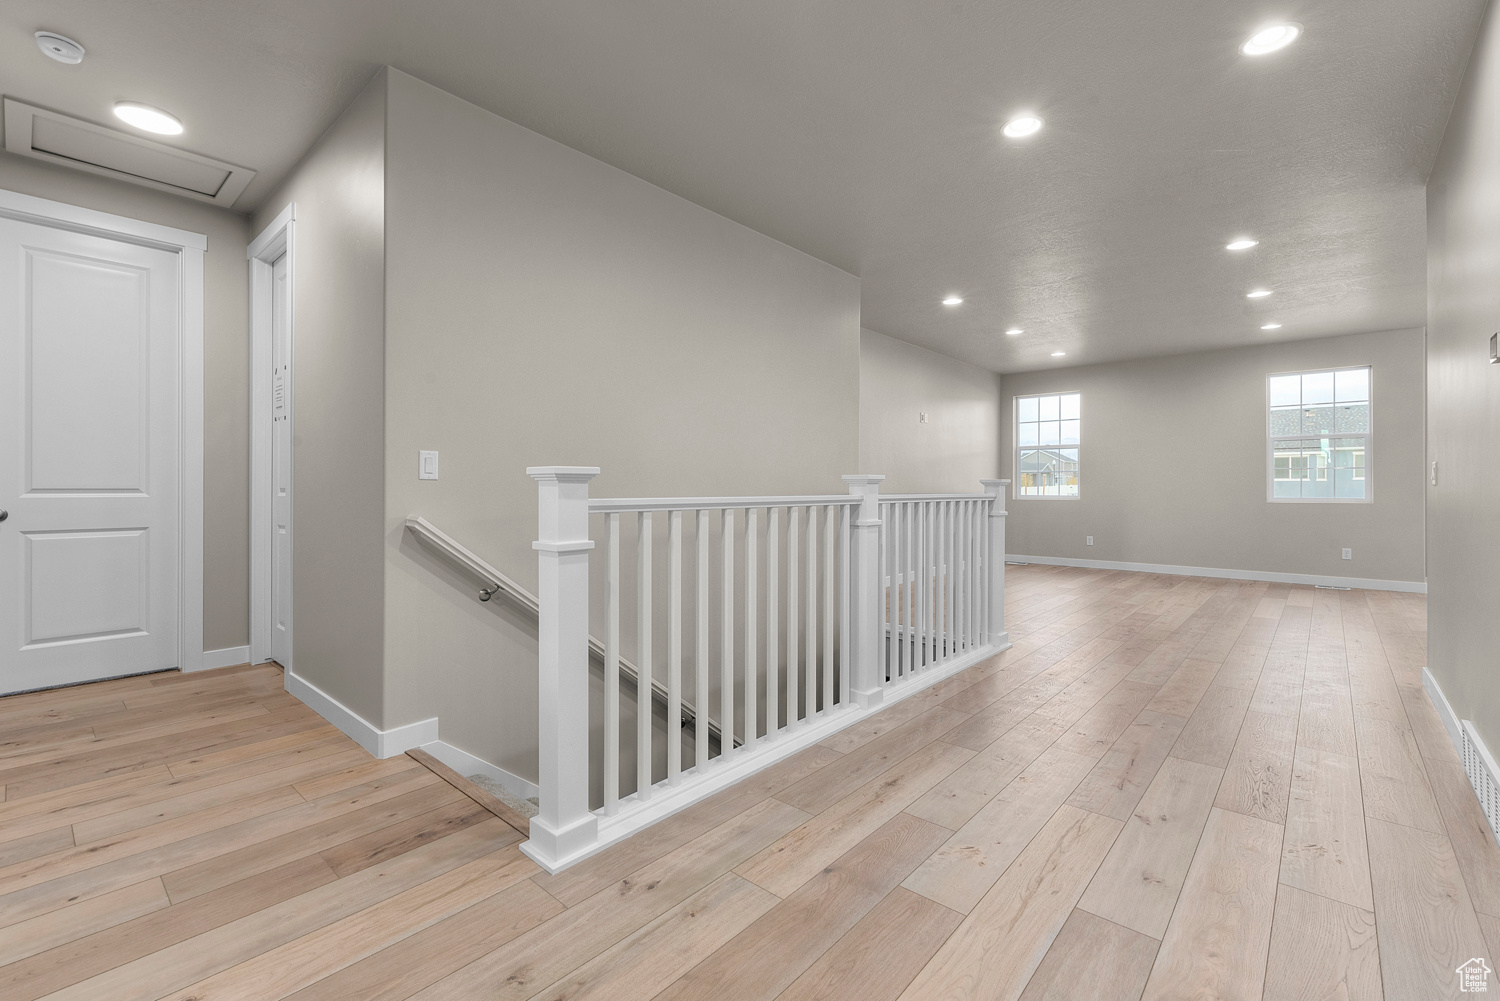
column 444, row 545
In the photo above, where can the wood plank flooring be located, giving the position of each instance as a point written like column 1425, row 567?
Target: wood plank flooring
column 1169, row 788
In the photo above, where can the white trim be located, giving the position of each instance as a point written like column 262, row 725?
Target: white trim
column 466, row 764
column 1444, row 710
column 190, row 463
column 1363, row 583
column 381, row 743
column 190, row 248
column 749, row 759
column 29, row 208
column 229, row 656
column 275, row 240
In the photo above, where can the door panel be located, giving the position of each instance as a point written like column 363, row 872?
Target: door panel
column 89, row 412
column 81, row 586
column 88, row 348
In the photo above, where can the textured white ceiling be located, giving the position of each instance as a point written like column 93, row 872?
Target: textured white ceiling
column 866, row 133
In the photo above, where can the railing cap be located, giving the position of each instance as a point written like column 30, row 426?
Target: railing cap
column 563, row 474
column 863, row 479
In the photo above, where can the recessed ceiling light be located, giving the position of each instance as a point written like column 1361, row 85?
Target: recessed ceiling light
column 1270, row 326
column 1271, row 37
column 143, row 116
column 59, row 47
column 1022, row 126
column 1259, row 293
column 1014, row 332
column 1058, row 354
column 1242, row 243
column 953, row 300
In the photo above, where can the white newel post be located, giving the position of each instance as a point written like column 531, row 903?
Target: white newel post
column 564, row 825
column 997, row 634
column 867, row 587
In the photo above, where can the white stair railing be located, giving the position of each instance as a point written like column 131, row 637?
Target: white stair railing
column 498, row 583
column 826, row 608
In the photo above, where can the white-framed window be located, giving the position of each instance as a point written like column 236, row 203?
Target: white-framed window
column 1319, row 439
column 1048, row 438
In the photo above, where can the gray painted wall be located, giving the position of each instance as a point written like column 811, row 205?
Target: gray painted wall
column 545, row 308
column 226, row 487
column 1463, row 294
column 339, row 372
column 960, row 443
column 1174, row 465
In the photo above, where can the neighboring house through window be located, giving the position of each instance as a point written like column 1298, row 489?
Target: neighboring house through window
column 1319, row 436
column 1047, row 444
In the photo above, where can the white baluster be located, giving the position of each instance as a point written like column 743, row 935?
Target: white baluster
column 700, row 659
column 931, row 571
column 909, row 530
column 674, row 648
column 612, row 669
column 947, row 541
column 773, row 636
column 564, row 826
column 886, row 582
column 995, row 572
column 866, row 683
column 810, row 672
column 963, row 575
column 844, row 609
column 726, row 640
column 983, row 572
column 793, row 675
column 828, row 575
column 752, row 668
column 645, row 701
column 976, row 628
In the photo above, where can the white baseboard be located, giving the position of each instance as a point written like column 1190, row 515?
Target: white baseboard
column 381, row 743
column 1479, row 764
column 466, row 764
column 1444, row 710
column 1364, row 583
column 229, row 656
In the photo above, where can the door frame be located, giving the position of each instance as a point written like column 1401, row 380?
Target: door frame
column 274, row 241
column 189, row 248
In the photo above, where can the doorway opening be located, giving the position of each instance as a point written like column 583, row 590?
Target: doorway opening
column 272, row 418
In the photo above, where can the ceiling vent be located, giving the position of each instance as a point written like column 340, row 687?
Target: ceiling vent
column 73, row 142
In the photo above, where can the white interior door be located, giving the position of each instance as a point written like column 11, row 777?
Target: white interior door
column 281, row 466
column 89, row 464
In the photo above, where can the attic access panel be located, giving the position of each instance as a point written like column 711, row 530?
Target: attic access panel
column 73, row 142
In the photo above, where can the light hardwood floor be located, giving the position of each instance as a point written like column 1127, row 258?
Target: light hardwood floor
column 1170, row 788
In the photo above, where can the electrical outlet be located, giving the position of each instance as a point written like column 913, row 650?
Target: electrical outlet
column 1348, row 554
column 427, row 465
column 921, row 418
column 1088, row 540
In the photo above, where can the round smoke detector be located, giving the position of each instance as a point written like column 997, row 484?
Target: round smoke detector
column 59, row 47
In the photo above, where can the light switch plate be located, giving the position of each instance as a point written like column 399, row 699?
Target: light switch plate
column 1088, row 540
column 1348, row 554
column 427, row 465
